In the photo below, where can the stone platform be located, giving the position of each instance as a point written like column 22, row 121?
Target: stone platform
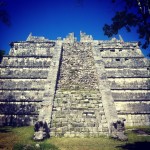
column 77, row 88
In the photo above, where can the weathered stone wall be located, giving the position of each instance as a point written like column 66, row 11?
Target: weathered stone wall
column 24, row 73
column 119, row 52
column 127, row 73
column 32, row 48
column 125, row 62
column 24, row 84
column 129, row 77
column 129, row 83
column 26, row 62
column 133, row 119
column 24, row 76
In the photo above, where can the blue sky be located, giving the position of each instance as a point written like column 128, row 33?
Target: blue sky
column 57, row 18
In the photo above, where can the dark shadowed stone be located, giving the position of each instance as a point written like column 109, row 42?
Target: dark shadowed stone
column 41, row 131
column 117, row 129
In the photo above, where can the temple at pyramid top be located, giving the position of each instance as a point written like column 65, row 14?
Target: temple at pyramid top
column 71, row 38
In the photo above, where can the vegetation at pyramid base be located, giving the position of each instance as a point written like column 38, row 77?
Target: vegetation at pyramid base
column 2, row 52
column 21, row 137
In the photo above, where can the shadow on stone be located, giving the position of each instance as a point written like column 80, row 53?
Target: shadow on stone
column 41, row 131
column 15, row 114
column 117, row 129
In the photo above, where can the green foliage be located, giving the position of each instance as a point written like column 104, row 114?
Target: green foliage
column 18, row 146
column 2, row 52
column 4, row 16
column 21, row 139
column 135, row 13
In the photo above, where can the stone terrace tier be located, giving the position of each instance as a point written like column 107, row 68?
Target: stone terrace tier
column 128, row 73
column 24, row 79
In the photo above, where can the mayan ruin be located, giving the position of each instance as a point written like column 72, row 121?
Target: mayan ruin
column 77, row 88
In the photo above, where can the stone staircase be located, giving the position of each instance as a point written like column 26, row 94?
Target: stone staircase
column 78, row 108
column 78, row 113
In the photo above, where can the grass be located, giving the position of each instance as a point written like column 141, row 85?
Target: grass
column 20, row 138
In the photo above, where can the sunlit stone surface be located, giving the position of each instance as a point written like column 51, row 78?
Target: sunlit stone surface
column 77, row 88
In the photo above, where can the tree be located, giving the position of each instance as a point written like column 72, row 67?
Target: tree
column 2, row 52
column 133, row 13
column 4, row 18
